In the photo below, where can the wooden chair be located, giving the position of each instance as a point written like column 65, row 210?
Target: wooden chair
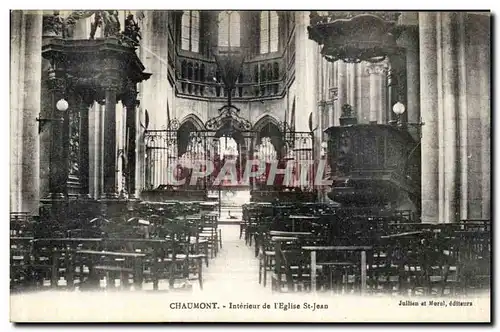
column 267, row 256
column 182, row 260
column 211, row 232
column 291, row 271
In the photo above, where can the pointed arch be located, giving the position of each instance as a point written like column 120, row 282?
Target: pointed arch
column 195, row 120
column 191, row 123
column 268, row 126
column 265, row 120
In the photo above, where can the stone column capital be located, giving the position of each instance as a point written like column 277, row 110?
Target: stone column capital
column 378, row 68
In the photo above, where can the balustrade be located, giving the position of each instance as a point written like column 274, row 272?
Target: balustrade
column 259, row 79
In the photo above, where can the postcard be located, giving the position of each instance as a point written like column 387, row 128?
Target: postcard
column 250, row 166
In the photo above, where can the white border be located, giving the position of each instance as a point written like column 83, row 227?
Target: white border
column 185, row 4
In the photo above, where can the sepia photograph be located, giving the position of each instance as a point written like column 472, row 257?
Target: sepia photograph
column 250, row 166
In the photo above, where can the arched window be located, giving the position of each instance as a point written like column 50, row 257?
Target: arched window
column 229, row 29
column 268, row 32
column 190, row 32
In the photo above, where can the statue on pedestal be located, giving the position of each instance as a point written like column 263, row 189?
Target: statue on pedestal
column 107, row 18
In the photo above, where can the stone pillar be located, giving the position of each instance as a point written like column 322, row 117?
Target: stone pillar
column 484, row 62
column 154, row 56
column 377, row 72
column 130, row 104
column 408, row 39
column 352, row 85
column 455, row 109
column 96, row 113
column 358, row 92
column 342, row 89
column 305, row 72
column 428, row 109
column 450, row 113
column 17, row 51
column 84, row 165
column 306, row 62
column 58, row 174
column 109, row 153
column 26, row 68
column 474, row 110
column 333, row 117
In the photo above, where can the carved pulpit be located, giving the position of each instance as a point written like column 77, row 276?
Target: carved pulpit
column 105, row 71
column 373, row 165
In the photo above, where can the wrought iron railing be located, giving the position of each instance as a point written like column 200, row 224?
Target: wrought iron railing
column 167, row 160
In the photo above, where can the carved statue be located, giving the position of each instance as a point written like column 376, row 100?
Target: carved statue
column 71, row 20
column 53, row 23
column 111, row 23
column 94, row 25
column 131, row 30
column 107, row 18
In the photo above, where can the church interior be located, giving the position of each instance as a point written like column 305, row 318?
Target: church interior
column 332, row 152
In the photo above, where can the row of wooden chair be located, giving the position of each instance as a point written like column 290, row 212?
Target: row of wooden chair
column 137, row 250
column 404, row 257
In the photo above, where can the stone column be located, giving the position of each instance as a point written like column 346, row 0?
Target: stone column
column 359, row 92
column 352, row 85
column 26, row 68
column 333, row 117
column 484, row 62
column 450, row 113
column 154, row 56
column 58, row 174
column 305, row 72
column 377, row 72
column 109, row 153
column 95, row 149
column 474, row 115
column 306, row 62
column 17, row 51
column 130, row 103
column 84, row 165
column 342, row 89
column 428, row 109
column 408, row 39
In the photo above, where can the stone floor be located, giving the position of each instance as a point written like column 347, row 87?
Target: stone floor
column 236, row 265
